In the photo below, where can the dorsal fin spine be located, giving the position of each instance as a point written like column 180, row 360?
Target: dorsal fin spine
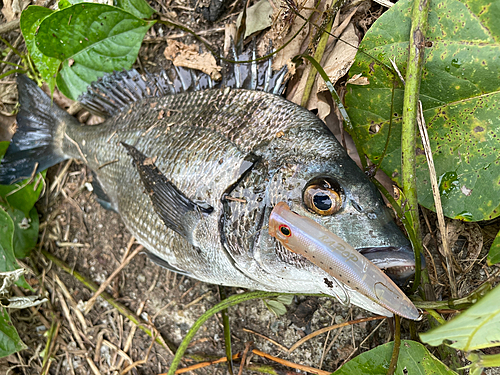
column 114, row 92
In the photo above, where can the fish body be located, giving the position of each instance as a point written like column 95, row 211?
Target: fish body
column 195, row 175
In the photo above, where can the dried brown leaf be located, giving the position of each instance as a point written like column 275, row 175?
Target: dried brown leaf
column 258, row 17
column 188, row 56
column 279, row 37
column 358, row 79
column 12, row 8
column 337, row 63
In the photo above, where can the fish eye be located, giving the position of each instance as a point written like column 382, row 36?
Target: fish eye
column 322, row 196
column 285, row 230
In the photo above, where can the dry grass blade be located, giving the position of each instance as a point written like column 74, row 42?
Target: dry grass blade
column 142, row 361
column 244, row 356
column 90, row 303
column 286, row 350
column 326, row 329
column 204, row 364
column 437, row 198
column 284, row 362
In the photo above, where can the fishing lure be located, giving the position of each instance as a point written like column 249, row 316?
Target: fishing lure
column 340, row 260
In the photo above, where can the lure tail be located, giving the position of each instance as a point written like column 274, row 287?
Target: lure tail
column 37, row 143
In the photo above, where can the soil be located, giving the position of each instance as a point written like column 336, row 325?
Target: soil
column 94, row 242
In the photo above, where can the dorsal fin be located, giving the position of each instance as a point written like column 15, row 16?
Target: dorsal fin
column 113, row 92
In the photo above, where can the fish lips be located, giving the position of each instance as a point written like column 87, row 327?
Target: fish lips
column 397, row 262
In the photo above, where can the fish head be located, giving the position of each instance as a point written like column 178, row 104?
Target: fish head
column 329, row 188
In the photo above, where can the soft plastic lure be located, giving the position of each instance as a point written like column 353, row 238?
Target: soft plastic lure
column 340, row 260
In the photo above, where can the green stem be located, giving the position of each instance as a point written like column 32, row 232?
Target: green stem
column 231, row 301
column 227, row 331
column 397, row 344
column 338, row 101
column 10, row 46
column 12, row 71
column 318, row 55
column 456, row 303
column 416, row 51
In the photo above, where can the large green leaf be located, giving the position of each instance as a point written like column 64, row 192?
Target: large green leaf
column 476, row 328
column 138, row 8
column 413, row 356
column 90, row 39
column 10, row 342
column 494, row 253
column 30, row 20
column 21, row 195
column 25, row 232
column 67, row 3
column 460, row 93
column 7, row 257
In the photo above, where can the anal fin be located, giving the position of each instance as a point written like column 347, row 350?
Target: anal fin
column 177, row 211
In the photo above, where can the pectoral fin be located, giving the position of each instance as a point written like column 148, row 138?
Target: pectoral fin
column 163, row 263
column 176, row 210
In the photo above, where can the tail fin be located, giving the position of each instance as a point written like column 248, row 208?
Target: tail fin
column 36, row 145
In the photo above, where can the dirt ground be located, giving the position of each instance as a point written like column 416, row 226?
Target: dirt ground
column 94, row 242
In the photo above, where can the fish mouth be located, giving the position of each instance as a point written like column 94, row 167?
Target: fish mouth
column 397, row 262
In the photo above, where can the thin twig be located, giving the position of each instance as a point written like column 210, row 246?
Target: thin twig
column 284, row 362
column 437, row 199
column 204, row 364
column 326, row 329
column 9, row 26
column 90, row 303
column 286, row 350
column 244, row 357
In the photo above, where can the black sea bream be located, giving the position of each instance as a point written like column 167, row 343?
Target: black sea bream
column 194, row 169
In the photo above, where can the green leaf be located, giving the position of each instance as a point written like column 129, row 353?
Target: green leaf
column 259, row 17
column 91, row 40
column 31, row 18
column 285, row 299
column 67, row 3
column 25, row 232
column 21, row 195
column 460, row 97
column 480, row 360
column 494, row 253
column 138, row 8
column 276, row 307
column 476, row 328
column 10, row 342
column 7, row 258
column 413, row 356
column 3, row 148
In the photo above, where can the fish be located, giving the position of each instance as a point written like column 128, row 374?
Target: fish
column 194, row 168
column 340, row 260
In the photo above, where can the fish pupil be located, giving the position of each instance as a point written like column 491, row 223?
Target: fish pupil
column 322, row 201
column 285, row 230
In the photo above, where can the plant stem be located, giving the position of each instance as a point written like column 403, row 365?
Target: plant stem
column 318, row 55
column 227, row 331
column 410, row 109
column 397, row 344
column 233, row 300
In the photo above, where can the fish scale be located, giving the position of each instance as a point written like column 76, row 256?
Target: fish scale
column 195, row 175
